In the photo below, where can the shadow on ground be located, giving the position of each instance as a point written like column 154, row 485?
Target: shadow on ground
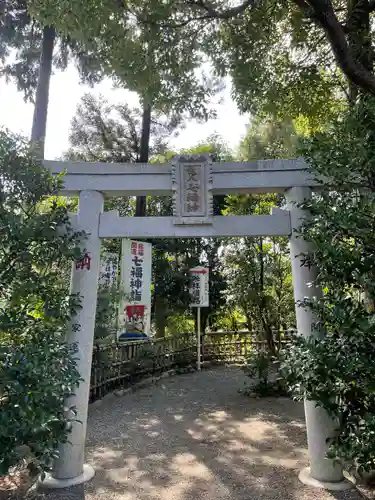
column 194, row 437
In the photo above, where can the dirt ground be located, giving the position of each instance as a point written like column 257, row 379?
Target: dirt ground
column 195, row 437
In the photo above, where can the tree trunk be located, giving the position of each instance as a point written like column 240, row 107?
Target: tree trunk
column 267, row 329
column 268, row 334
column 38, row 132
column 359, row 38
column 161, row 317
column 261, row 262
column 160, row 326
column 249, row 322
column 141, row 201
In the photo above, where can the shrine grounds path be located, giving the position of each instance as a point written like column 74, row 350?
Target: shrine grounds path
column 194, row 437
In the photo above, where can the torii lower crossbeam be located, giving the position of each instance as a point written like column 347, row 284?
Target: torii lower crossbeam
column 113, row 226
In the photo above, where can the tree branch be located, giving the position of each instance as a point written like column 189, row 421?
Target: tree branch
column 217, row 14
column 181, row 24
column 322, row 12
column 210, row 13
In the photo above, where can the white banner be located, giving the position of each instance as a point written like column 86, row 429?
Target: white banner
column 136, row 261
column 199, row 286
column 108, row 269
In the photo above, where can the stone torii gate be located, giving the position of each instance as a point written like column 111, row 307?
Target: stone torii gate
column 193, row 181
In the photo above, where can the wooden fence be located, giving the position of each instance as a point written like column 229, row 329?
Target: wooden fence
column 120, row 365
column 234, row 347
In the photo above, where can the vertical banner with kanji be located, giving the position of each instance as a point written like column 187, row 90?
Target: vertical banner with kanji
column 108, row 269
column 199, row 286
column 135, row 313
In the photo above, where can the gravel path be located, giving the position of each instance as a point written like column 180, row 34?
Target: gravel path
column 194, row 437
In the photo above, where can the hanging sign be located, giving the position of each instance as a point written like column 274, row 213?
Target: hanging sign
column 108, row 269
column 135, row 312
column 199, row 286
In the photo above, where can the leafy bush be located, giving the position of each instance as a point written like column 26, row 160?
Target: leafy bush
column 37, row 367
column 185, row 359
column 179, row 323
column 145, row 359
column 338, row 369
column 263, row 370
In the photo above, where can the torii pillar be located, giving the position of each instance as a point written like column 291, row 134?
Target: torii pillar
column 70, row 469
column 322, row 473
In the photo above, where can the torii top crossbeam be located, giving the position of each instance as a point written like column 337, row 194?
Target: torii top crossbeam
column 192, row 180
column 131, row 179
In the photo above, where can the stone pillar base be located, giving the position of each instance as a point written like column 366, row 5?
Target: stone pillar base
column 305, row 477
column 51, row 483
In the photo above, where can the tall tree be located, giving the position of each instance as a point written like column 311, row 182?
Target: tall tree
column 174, row 257
column 258, row 269
column 106, row 132
column 259, row 275
column 161, row 67
column 37, row 367
column 144, row 153
column 287, row 57
column 28, row 55
column 209, row 248
column 269, row 138
column 341, row 231
column 111, row 133
column 39, row 127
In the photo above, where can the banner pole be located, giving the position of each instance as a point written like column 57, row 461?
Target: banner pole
column 199, row 360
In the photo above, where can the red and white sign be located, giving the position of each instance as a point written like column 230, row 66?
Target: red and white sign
column 199, row 286
column 135, row 312
column 84, row 262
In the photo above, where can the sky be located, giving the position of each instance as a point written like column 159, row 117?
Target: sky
column 65, row 94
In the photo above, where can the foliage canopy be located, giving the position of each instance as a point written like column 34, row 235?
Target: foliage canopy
column 337, row 369
column 37, row 367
